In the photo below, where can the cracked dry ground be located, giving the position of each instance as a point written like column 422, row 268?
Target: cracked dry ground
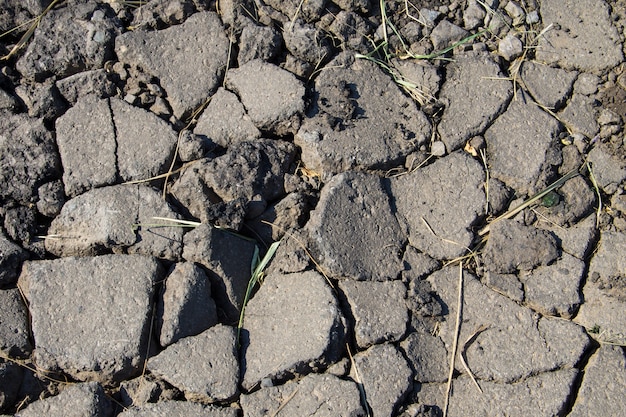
column 393, row 148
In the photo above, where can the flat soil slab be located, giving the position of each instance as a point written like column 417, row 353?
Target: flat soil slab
column 67, row 298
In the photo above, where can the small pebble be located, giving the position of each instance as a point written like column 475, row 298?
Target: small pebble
column 438, row 148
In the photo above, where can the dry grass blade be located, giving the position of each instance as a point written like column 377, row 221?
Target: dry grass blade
column 511, row 213
column 457, row 330
column 284, row 403
column 597, row 190
column 29, row 33
column 359, row 381
column 469, row 340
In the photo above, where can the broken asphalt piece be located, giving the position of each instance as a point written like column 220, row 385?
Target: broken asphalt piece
column 366, row 246
column 196, row 53
column 292, row 326
column 106, row 141
column 359, row 119
column 204, row 367
column 91, row 316
column 117, row 218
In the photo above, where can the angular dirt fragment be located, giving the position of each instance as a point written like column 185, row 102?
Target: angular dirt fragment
column 427, row 355
column 580, row 115
column 91, row 316
column 513, row 247
column 377, row 307
column 88, row 399
column 554, row 290
column 608, row 168
column 228, row 258
column 103, row 141
column 605, row 290
column 386, row 377
column 314, row 395
column 576, row 200
column 188, row 59
column 359, row 119
column 273, row 98
column 543, row 395
column 542, row 344
column 292, row 326
column 355, row 234
column 69, row 40
column 250, row 170
column 471, row 80
column 604, row 384
column 145, row 143
column 172, row 408
column 14, row 325
column 581, row 36
column 549, row 86
column 28, row 158
column 11, row 258
column 225, row 121
column 523, row 147
column 437, row 209
column 577, row 240
column 185, row 307
column 204, row 367
column 110, row 219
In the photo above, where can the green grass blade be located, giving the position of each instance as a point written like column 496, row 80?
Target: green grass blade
column 258, row 269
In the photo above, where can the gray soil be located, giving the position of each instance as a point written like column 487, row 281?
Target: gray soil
column 150, row 156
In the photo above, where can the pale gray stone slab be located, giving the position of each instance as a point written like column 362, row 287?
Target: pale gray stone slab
column 292, row 326
column 436, row 209
column 77, row 400
column 204, row 367
column 91, row 316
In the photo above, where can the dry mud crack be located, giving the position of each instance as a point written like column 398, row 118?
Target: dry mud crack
column 446, row 181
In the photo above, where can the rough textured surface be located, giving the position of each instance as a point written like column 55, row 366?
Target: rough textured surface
column 513, row 247
column 14, row 326
column 555, row 290
column 27, row 158
column 603, row 383
column 11, row 258
column 522, row 146
column 91, row 316
column 544, row 395
column 70, row 40
column 437, row 211
column 210, row 371
column 582, row 36
column 312, row 396
column 292, row 325
column 604, row 291
column 250, row 170
column 80, row 400
column 378, row 141
column 225, row 120
column 115, row 218
column 549, row 86
column 386, row 377
column 185, row 307
column 179, row 409
column 365, row 247
column 427, row 356
column 276, row 105
column 103, row 141
column 214, row 249
column 196, row 51
column 378, row 311
column 359, row 119
column 471, row 79
column 542, row 344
